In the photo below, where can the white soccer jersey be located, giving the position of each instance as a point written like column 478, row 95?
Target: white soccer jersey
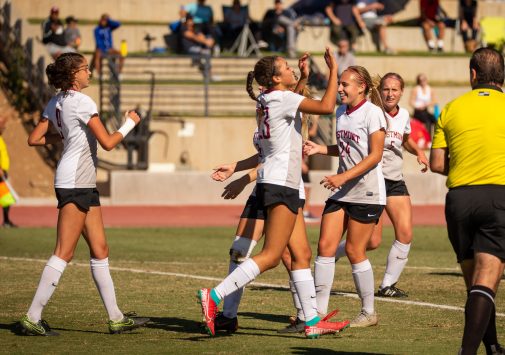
column 353, row 130
column 392, row 158
column 280, row 138
column 70, row 113
column 256, row 143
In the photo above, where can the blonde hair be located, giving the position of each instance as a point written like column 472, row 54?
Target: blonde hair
column 306, row 117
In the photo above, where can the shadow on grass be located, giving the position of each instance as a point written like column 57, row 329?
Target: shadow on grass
column 172, row 324
column 303, row 350
column 277, row 318
column 16, row 329
column 454, row 274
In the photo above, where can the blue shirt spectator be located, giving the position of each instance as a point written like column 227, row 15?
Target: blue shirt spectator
column 103, row 33
column 201, row 13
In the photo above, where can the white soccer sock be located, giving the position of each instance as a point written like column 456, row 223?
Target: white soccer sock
column 397, row 259
column 431, row 43
column 440, row 43
column 304, row 284
column 241, row 276
column 362, row 274
column 240, row 249
column 296, row 301
column 324, row 271
column 340, row 250
column 47, row 284
column 103, row 281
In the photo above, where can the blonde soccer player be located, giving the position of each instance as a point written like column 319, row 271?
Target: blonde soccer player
column 75, row 117
column 359, row 192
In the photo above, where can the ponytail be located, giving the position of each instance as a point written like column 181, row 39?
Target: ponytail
column 249, row 87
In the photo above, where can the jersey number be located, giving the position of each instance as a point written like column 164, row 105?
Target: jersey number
column 58, row 121
column 344, row 148
column 265, row 130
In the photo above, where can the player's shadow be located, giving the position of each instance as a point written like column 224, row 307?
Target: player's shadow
column 311, row 350
column 173, row 324
column 276, row 318
column 16, row 329
column 453, row 274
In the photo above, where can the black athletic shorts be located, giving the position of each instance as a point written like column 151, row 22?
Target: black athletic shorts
column 271, row 194
column 475, row 218
column 305, row 177
column 396, row 188
column 359, row 211
column 83, row 198
column 252, row 210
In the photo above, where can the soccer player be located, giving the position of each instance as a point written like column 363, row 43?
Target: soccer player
column 360, row 195
column 75, row 117
column 469, row 147
column 277, row 187
column 398, row 205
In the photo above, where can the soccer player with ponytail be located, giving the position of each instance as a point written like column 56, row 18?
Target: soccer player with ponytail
column 75, row 118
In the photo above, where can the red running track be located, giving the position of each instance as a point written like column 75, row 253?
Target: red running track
column 184, row 216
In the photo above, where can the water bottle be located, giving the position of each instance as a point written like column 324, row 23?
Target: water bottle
column 436, row 111
column 123, row 49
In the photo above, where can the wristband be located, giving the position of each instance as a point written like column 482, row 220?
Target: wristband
column 126, row 127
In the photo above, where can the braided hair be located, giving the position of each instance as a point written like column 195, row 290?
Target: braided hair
column 263, row 72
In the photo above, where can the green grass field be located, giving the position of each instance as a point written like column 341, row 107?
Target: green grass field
column 156, row 274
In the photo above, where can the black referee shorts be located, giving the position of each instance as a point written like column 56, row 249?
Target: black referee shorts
column 475, row 218
column 84, row 198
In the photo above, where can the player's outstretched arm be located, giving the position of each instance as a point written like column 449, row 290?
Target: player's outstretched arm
column 109, row 141
column 223, row 172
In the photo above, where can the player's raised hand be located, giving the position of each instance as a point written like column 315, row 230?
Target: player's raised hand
column 133, row 115
column 330, row 59
column 303, row 65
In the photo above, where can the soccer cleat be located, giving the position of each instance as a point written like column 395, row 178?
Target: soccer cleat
column 41, row 327
column 391, row 291
column 230, row 325
column 364, row 319
column 209, row 310
column 495, row 349
column 126, row 324
column 296, row 326
column 323, row 327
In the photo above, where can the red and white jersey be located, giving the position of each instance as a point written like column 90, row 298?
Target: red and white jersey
column 392, row 158
column 280, row 138
column 256, row 143
column 354, row 127
column 70, row 113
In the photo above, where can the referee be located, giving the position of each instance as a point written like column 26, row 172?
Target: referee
column 469, row 147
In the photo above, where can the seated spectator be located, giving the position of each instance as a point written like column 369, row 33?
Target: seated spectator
column 375, row 24
column 431, row 18
column 344, row 15
column 422, row 98
column 235, row 18
column 72, row 33
column 203, row 19
column 345, row 58
column 468, row 22
column 53, row 35
column 104, row 44
column 279, row 29
column 194, row 42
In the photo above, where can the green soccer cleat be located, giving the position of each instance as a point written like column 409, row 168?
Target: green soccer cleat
column 126, row 324
column 41, row 327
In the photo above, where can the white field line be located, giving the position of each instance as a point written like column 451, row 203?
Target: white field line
column 260, row 284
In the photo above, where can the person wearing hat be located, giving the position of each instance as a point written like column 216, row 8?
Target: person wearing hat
column 72, row 33
column 53, row 34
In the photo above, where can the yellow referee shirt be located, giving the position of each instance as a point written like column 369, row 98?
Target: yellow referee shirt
column 4, row 156
column 472, row 127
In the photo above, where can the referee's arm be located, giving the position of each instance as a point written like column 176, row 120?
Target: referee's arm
column 439, row 161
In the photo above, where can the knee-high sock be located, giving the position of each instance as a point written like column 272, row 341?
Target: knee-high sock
column 478, row 311
column 324, row 271
column 340, row 250
column 240, row 250
column 397, row 259
column 490, row 338
column 304, row 284
column 47, row 284
column 362, row 274
column 241, row 276
column 296, row 300
column 105, row 286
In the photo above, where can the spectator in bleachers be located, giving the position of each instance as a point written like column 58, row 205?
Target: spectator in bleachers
column 53, row 34
column 468, row 22
column 422, row 98
column 375, row 24
column 432, row 19
column 279, row 29
column 203, row 19
column 346, row 21
column 72, row 33
column 345, row 58
column 104, row 43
